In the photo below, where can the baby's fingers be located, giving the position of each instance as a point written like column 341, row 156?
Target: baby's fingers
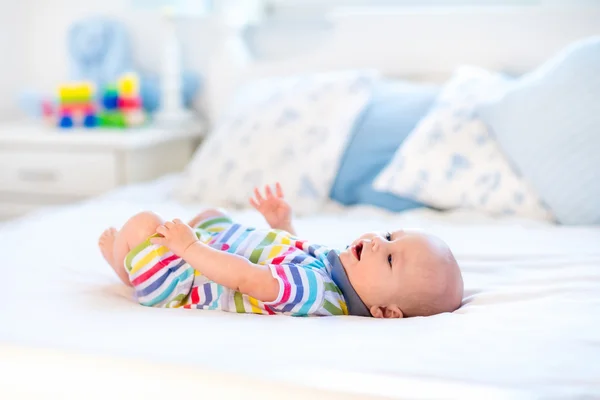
column 268, row 192
column 253, row 203
column 160, row 240
column 278, row 190
column 259, row 198
column 169, row 224
column 162, row 230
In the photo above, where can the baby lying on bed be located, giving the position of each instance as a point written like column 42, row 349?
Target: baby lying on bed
column 214, row 263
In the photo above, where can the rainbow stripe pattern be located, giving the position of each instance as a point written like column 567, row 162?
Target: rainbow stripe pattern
column 162, row 279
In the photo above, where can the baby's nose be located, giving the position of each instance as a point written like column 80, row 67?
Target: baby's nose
column 378, row 241
column 374, row 243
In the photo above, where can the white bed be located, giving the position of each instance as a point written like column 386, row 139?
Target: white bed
column 528, row 325
column 528, row 328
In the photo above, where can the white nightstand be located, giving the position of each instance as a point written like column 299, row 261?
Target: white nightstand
column 41, row 166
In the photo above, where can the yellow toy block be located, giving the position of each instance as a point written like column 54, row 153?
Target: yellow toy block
column 128, row 85
column 85, row 90
column 76, row 91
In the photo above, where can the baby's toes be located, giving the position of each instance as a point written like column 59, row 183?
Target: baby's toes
column 107, row 234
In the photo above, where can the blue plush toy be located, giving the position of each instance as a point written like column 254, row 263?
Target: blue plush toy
column 99, row 51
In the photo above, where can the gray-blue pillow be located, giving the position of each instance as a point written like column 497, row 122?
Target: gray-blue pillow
column 549, row 127
column 395, row 109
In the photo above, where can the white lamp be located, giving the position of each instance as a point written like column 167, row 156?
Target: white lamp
column 233, row 54
column 172, row 111
column 234, row 15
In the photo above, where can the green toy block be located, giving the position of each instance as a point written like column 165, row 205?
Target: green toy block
column 111, row 90
column 112, row 120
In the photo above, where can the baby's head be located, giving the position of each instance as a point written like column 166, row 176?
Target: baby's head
column 403, row 274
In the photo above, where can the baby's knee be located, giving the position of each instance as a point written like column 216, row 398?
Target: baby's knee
column 212, row 213
column 206, row 215
column 145, row 219
column 141, row 225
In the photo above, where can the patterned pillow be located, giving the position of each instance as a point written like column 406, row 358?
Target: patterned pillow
column 294, row 133
column 451, row 160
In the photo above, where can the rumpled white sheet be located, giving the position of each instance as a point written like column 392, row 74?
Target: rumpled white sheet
column 530, row 320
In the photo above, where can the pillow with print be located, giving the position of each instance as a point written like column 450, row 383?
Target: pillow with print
column 451, row 160
column 294, row 133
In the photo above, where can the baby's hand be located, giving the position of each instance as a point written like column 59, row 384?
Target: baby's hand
column 177, row 236
column 273, row 207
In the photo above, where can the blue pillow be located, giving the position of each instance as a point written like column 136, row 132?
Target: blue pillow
column 395, row 109
column 549, row 127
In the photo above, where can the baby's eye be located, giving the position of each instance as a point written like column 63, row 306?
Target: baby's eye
column 388, row 236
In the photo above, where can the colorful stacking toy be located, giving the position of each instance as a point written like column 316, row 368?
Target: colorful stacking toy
column 111, row 116
column 76, row 105
column 120, row 105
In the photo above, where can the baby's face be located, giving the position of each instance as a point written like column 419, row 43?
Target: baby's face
column 403, row 274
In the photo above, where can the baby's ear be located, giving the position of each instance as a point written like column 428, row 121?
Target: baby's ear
column 392, row 311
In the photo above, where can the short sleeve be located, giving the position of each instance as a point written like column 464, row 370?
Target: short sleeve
column 316, row 250
column 300, row 290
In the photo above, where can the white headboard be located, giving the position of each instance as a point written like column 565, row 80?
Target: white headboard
column 423, row 43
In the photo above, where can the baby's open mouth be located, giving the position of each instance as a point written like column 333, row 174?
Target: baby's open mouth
column 358, row 249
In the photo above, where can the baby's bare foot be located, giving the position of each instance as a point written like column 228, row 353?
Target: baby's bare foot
column 107, row 243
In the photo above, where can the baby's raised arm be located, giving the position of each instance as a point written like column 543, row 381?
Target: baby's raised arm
column 277, row 211
column 230, row 270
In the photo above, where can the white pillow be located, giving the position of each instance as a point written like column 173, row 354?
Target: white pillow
column 294, row 132
column 451, row 160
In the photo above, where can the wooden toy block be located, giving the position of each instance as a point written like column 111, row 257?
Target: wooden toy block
column 135, row 118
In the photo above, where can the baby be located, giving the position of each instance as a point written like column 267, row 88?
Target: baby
column 214, row 263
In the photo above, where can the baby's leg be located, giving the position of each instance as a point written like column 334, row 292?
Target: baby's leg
column 115, row 245
column 207, row 214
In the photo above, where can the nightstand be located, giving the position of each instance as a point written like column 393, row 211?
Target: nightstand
column 43, row 166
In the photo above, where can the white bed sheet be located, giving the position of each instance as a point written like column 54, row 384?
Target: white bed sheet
column 530, row 323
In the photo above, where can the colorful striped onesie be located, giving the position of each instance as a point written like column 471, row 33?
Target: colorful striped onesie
column 162, row 279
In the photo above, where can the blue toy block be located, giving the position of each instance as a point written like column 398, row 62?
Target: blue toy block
column 90, row 121
column 66, row 121
column 110, row 100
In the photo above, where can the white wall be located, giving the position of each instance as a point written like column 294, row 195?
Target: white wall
column 12, row 54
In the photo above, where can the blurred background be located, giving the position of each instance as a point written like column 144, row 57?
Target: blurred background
column 173, row 67
column 35, row 47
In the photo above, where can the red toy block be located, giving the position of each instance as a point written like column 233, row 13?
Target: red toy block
column 129, row 103
column 81, row 108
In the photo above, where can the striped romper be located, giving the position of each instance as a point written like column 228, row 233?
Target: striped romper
column 162, row 279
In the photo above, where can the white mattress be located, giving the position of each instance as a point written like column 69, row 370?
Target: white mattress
column 530, row 323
